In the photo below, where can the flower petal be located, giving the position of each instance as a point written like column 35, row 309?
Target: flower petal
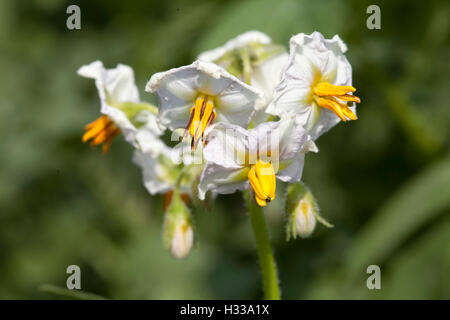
column 114, row 86
column 312, row 59
column 149, row 143
column 327, row 120
column 227, row 145
column 291, row 97
column 156, row 173
column 222, row 180
column 178, row 88
column 279, row 141
column 118, row 82
column 236, row 105
column 235, row 43
column 267, row 76
column 292, row 169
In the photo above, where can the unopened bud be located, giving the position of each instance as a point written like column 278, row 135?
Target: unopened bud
column 182, row 240
column 305, row 221
column 178, row 234
column 302, row 212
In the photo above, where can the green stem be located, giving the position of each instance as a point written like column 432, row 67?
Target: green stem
column 265, row 253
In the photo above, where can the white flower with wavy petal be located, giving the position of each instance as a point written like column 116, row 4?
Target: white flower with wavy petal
column 194, row 96
column 252, row 52
column 237, row 158
column 316, row 85
column 122, row 110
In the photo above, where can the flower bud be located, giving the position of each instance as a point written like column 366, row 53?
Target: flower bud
column 178, row 234
column 182, row 240
column 305, row 221
column 302, row 212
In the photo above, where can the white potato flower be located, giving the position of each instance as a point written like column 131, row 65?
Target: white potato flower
column 316, row 84
column 123, row 111
column 193, row 96
column 237, row 158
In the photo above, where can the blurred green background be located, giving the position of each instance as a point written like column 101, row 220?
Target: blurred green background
column 383, row 181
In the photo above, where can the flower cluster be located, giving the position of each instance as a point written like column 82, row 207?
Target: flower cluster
column 242, row 116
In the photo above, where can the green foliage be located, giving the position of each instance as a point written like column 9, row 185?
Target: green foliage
column 383, row 180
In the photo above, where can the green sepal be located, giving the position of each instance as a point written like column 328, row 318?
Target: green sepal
column 132, row 109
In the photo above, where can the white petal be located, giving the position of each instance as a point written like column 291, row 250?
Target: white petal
column 149, row 143
column 327, row 120
column 178, row 88
column 119, row 118
column 155, row 176
column 235, row 43
column 293, row 168
column 292, row 138
column 310, row 146
column 118, row 82
column 222, row 180
column 284, row 139
column 227, row 145
column 182, row 153
column 177, row 91
column 300, row 67
column 326, row 55
column 236, row 105
column 93, row 70
column 291, row 97
column 114, row 86
column 151, row 122
column 267, row 76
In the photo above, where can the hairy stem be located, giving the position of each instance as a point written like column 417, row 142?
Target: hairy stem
column 265, row 253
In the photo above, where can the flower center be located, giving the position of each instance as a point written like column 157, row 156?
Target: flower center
column 202, row 115
column 335, row 99
column 102, row 130
column 262, row 179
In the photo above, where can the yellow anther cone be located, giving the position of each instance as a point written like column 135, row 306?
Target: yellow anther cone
column 202, row 115
column 334, row 98
column 263, row 181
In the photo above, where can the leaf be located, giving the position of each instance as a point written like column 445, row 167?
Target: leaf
column 428, row 255
column 423, row 137
column 76, row 294
column 419, row 201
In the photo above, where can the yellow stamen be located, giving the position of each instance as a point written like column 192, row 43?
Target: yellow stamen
column 102, row 130
column 349, row 97
column 202, row 115
column 335, row 98
column 331, row 105
column 328, row 89
column 262, row 179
